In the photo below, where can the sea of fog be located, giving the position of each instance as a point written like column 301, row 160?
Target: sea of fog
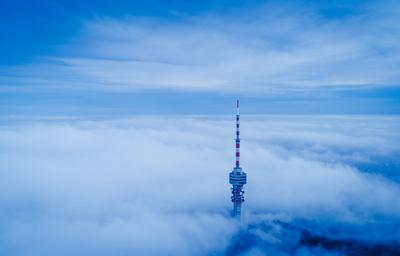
column 158, row 185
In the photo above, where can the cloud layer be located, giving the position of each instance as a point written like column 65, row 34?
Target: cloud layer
column 152, row 185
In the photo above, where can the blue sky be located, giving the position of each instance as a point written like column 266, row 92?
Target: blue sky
column 195, row 57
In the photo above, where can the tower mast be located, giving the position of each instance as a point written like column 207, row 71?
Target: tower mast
column 237, row 177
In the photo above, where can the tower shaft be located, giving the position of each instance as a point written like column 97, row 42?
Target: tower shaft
column 237, row 177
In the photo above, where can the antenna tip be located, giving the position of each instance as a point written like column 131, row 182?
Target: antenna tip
column 237, row 103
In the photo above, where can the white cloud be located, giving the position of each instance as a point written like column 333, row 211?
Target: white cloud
column 273, row 48
column 156, row 184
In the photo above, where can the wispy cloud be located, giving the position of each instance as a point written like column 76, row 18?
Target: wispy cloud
column 273, row 48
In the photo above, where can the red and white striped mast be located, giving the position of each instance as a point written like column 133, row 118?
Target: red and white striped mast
column 237, row 135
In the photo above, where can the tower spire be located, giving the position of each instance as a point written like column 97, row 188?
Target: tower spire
column 237, row 135
column 237, row 177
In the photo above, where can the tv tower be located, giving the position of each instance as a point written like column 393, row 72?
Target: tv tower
column 237, row 177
